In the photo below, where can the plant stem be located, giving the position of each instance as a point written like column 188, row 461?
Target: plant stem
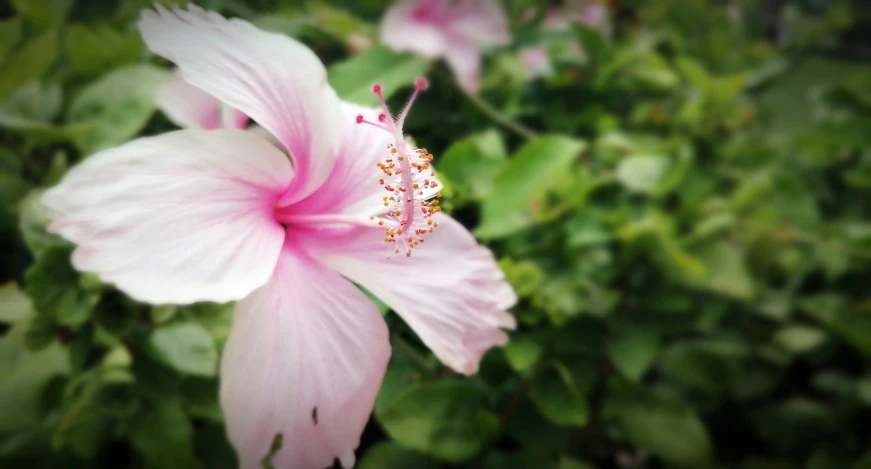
column 502, row 119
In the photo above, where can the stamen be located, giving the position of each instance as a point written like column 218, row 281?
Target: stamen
column 408, row 174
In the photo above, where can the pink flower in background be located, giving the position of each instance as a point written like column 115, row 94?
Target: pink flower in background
column 224, row 215
column 590, row 13
column 535, row 61
column 451, row 29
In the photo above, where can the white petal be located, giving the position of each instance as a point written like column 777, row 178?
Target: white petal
column 450, row 291
column 188, row 106
column 270, row 77
column 186, row 216
column 305, row 359
column 464, row 59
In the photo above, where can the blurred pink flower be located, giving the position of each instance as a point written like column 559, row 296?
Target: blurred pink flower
column 223, row 215
column 535, row 61
column 590, row 13
column 451, row 29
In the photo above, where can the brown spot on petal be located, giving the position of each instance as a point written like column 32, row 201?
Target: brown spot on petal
column 315, row 415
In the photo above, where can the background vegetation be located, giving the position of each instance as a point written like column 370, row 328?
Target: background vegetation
column 684, row 213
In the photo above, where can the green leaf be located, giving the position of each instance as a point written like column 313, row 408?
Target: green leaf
column 353, row 78
column 214, row 448
column 30, row 62
column 10, row 34
column 570, row 463
column 186, row 347
column 864, row 461
column 694, row 72
column 15, row 306
column 116, row 314
column 472, row 163
column 831, row 311
column 200, row 398
column 725, row 271
column 799, row 339
column 32, row 222
column 162, row 433
column 25, row 374
column 554, row 393
column 523, row 351
column 94, row 50
column 587, row 228
column 34, row 101
column 117, row 105
column 710, row 366
column 792, row 424
column 445, row 420
column 643, row 173
column 664, row 427
column 42, row 132
column 389, row 455
column 163, row 313
column 53, row 285
column 216, row 318
column 403, row 372
column 633, row 350
column 43, row 13
column 524, row 276
column 533, row 170
column 30, row 110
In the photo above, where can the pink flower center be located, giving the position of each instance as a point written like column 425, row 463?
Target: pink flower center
column 439, row 12
column 410, row 183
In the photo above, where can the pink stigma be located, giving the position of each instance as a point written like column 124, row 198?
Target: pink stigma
column 385, row 121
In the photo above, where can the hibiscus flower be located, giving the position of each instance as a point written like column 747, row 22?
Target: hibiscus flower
column 451, row 29
column 224, row 215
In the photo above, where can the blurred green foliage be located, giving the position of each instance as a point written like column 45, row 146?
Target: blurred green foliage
column 687, row 225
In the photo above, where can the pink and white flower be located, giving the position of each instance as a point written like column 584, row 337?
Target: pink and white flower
column 451, row 29
column 591, row 13
column 223, row 215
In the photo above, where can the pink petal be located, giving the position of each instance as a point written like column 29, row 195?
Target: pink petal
column 403, row 32
column 428, row 27
column 182, row 217
column 483, row 22
column 190, row 107
column 450, row 291
column 305, row 358
column 464, row 59
column 270, row 77
column 352, row 187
